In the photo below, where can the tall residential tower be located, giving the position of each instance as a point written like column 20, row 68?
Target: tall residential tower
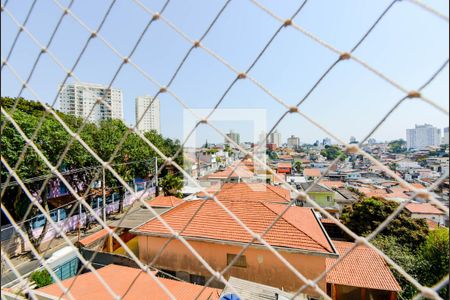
column 151, row 119
column 80, row 98
column 423, row 136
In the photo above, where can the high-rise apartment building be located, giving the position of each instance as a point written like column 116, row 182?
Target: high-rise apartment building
column 445, row 138
column 275, row 138
column 293, row 142
column 151, row 119
column 234, row 136
column 423, row 136
column 80, row 98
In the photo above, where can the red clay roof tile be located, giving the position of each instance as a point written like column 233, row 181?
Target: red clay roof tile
column 164, row 201
column 120, row 279
column 298, row 229
column 362, row 267
column 423, row 208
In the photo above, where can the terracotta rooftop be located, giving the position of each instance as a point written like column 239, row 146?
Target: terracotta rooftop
column 311, row 172
column 164, row 201
column 332, row 184
column 284, row 165
column 101, row 234
column 120, row 279
column 241, row 171
column 423, row 208
column 432, row 225
column 253, row 192
column 327, row 221
column 297, row 229
column 362, row 267
column 418, row 185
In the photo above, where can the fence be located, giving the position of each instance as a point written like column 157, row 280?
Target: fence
column 197, row 45
column 12, row 244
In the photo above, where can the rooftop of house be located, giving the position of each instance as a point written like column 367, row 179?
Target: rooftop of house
column 254, row 192
column 250, row 192
column 120, row 278
column 423, row 208
column 90, row 239
column 164, row 201
column 297, row 229
column 362, row 267
column 311, row 172
column 332, row 184
column 241, row 171
column 284, row 165
column 316, row 188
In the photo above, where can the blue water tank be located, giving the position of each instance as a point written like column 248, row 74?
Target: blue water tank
column 230, row 297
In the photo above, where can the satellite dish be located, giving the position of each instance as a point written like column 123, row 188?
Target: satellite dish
column 230, row 297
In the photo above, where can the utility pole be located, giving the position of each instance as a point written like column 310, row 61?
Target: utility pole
column 103, row 193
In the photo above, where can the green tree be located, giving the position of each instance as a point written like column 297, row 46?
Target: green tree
column 298, row 167
column 52, row 139
column 41, row 278
column 428, row 263
column 332, row 152
column 171, row 185
column 409, row 260
column 435, row 251
column 364, row 216
column 397, row 146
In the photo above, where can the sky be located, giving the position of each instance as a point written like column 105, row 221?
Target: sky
column 408, row 45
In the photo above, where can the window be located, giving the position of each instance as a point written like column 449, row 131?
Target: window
column 240, row 262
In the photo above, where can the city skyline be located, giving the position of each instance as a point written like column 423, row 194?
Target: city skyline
column 350, row 102
column 152, row 114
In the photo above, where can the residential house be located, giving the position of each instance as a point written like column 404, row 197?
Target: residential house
column 361, row 275
column 233, row 173
column 426, row 211
column 284, row 167
column 218, row 238
column 322, row 195
column 311, row 174
column 120, row 279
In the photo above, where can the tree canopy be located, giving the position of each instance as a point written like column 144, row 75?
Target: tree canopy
column 422, row 253
column 397, row 146
column 332, row 152
column 364, row 216
column 134, row 159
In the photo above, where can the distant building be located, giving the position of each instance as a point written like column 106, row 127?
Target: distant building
column 80, row 98
column 372, row 141
column 445, row 138
column 275, row 138
column 151, row 117
column 234, row 136
column 326, row 142
column 293, row 142
column 353, row 140
column 423, row 136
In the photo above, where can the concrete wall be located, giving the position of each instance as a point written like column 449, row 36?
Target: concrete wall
column 262, row 266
